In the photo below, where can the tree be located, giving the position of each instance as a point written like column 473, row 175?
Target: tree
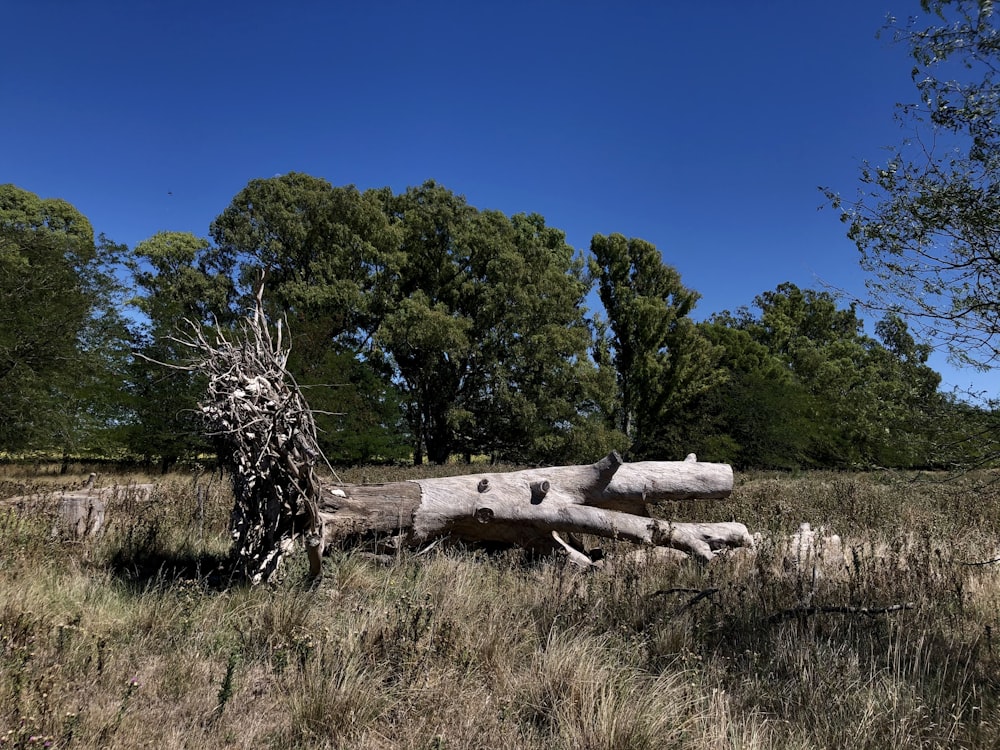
column 536, row 393
column 758, row 416
column 427, row 331
column 59, row 355
column 323, row 251
column 471, row 321
column 662, row 361
column 488, row 333
column 927, row 220
column 807, row 386
column 178, row 280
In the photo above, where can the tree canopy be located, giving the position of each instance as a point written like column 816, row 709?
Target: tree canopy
column 663, row 362
column 61, row 334
column 426, row 328
column 927, row 218
column 807, row 387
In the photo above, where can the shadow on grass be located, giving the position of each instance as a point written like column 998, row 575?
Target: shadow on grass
column 142, row 569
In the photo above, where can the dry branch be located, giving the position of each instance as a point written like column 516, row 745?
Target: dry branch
column 809, row 610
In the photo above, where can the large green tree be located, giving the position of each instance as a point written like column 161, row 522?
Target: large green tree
column 60, row 332
column 323, row 253
column 488, row 334
column 462, row 331
column 537, row 394
column 927, row 217
column 808, row 387
column 664, row 364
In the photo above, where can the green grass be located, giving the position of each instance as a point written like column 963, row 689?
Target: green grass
column 125, row 641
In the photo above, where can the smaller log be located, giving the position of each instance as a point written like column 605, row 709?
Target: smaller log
column 79, row 516
column 77, row 513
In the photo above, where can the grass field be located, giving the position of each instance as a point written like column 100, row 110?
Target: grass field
column 123, row 642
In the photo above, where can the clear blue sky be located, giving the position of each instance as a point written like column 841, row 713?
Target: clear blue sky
column 705, row 128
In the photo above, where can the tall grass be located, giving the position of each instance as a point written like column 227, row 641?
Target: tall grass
column 129, row 640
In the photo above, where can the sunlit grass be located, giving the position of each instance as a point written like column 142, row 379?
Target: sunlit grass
column 131, row 639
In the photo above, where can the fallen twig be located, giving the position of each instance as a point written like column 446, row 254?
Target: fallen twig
column 787, row 614
column 699, row 594
column 983, row 562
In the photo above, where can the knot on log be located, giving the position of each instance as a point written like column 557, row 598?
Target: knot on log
column 539, row 490
column 484, row 484
column 483, row 515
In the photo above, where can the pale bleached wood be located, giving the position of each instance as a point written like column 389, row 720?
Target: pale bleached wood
column 266, row 439
column 78, row 512
column 628, row 488
column 530, row 508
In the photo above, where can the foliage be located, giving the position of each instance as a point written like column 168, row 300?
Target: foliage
column 663, row 362
column 927, row 219
column 427, row 328
column 807, row 387
column 322, row 252
column 178, row 280
column 61, row 335
column 459, row 330
column 488, row 335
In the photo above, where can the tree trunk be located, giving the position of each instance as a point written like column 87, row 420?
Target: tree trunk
column 527, row 508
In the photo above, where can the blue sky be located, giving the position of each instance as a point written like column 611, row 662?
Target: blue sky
column 703, row 128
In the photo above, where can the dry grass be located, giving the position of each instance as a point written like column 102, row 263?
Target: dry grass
column 125, row 641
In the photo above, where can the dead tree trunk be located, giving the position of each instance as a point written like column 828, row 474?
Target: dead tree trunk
column 266, row 439
column 532, row 508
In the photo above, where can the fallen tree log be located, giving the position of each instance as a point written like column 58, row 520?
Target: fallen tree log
column 266, row 439
column 608, row 499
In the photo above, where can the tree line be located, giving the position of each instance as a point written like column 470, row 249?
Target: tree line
column 425, row 328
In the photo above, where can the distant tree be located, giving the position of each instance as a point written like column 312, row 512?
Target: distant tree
column 927, row 218
column 759, row 415
column 178, row 282
column 905, row 389
column 427, row 331
column 807, row 386
column 663, row 362
column 323, row 248
column 60, row 332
